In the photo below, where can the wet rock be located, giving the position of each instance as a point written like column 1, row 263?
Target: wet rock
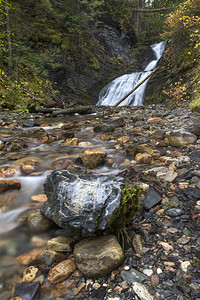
column 29, row 166
column 9, row 184
column 179, row 138
column 154, row 279
column 60, row 243
column 6, row 200
column 130, row 150
column 152, row 198
column 144, row 158
column 47, row 258
column 48, row 139
column 124, row 139
column 27, row 290
column 28, row 257
column 104, row 128
column 8, row 171
column 37, row 222
column 30, row 123
column 154, row 120
column 61, row 164
column 133, row 275
column 71, row 142
column 92, row 158
column 165, row 246
column 85, row 202
column 84, row 144
column 67, row 135
column 98, row 257
column 29, row 274
column 141, row 291
column 62, row 270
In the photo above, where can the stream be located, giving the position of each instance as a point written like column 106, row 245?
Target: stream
column 15, row 240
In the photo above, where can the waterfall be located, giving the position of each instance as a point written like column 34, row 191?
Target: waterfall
column 121, row 86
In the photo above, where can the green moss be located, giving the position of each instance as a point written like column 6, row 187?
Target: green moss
column 195, row 104
column 129, row 206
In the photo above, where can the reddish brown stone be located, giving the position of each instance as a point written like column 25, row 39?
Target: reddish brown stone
column 9, row 184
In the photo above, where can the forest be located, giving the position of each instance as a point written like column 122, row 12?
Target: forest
column 57, row 50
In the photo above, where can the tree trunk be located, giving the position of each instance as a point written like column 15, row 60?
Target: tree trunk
column 10, row 65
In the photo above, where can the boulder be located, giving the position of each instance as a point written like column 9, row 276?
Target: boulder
column 180, row 138
column 84, row 202
column 98, row 257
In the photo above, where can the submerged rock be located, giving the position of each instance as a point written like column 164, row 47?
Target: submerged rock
column 98, row 257
column 84, row 202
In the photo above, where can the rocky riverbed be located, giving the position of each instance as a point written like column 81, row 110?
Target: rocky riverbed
column 157, row 253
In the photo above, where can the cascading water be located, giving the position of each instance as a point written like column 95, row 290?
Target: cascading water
column 121, row 86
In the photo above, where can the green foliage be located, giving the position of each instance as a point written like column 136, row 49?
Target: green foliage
column 182, row 56
column 129, row 206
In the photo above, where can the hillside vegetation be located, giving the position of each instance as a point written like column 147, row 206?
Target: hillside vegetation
column 68, row 50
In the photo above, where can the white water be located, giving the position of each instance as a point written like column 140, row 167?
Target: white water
column 121, row 86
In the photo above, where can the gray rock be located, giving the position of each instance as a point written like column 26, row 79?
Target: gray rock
column 179, row 138
column 152, row 198
column 174, row 212
column 133, row 275
column 84, row 202
column 98, row 257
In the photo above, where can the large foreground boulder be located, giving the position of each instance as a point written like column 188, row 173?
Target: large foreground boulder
column 84, row 202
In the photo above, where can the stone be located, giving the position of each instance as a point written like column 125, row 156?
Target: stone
column 133, row 275
column 62, row 270
column 37, row 222
column 60, row 243
column 180, row 138
column 29, row 274
column 137, row 244
column 158, row 134
column 30, row 123
column 152, row 198
column 48, row 139
column 27, row 290
column 92, row 158
column 28, row 257
column 62, row 288
column 47, row 258
column 85, row 144
column 6, row 200
column 9, row 184
column 141, row 291
column 8, row 171
column 154, row 279
column 41, row 198
column 104, row 128
column 165, row 246
column 84, row 202
column 144, row 158
column 130, row 150
column 29, row 166
column 124, row 139
column 71, row 142
column 61, row 164
column 98, row 257
column 174, row 212
column 154, row 120
column 185, row 265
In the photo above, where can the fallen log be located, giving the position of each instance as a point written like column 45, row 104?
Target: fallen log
column 135, row 88
column 67, row 111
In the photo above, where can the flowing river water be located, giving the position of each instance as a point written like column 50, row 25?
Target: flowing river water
column 15, row 240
